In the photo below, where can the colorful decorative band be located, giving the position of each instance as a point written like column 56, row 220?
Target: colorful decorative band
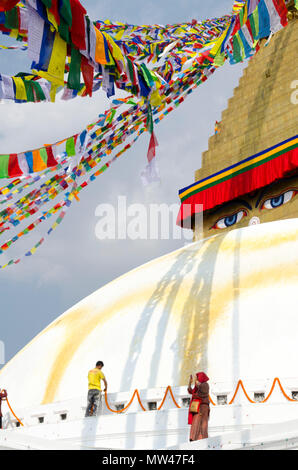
column 241, row 178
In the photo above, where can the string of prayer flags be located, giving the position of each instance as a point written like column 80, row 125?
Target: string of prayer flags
column 92, row 49
column 255, row 20
column 160, row 66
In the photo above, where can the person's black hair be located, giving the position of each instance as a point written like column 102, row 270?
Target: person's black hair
column 99, row 363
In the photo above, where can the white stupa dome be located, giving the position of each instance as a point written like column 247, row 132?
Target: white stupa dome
column 227, row 305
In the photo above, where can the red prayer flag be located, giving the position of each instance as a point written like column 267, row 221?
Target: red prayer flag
column 88, row 74
column 51, row 159
column 282, row 11
column 13, row 166
column 6, row 5
column 54, row 9
column 152, row 145
column 77, row 30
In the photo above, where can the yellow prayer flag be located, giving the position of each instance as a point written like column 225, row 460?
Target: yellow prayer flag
column 53, row 92
column 14, row 33
column 155, row 98
column 219, row 42
column 20, row 89
column 117, row 54
column 119, row 35
column 57, row 61
column 52, row 19
column 245, row 13
column 55, row 73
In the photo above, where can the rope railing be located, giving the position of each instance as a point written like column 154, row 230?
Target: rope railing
column 13, row 412
column 165, row 396
column 136, row 393
column 170, row 391
column 3, row 398
column 240, row 384
column 275, row 381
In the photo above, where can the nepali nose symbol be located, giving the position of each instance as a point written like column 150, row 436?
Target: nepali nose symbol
column 254, row 221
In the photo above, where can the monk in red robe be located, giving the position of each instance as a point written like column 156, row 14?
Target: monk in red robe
column 200, row 396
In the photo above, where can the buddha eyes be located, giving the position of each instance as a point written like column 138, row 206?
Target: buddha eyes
column 278, row 201
column 230, row 220
column 270, row 203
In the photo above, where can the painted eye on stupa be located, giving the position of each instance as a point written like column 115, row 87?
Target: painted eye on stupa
column 230, row 220
column 278, row 201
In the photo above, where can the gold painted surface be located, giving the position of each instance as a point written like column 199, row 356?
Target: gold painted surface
column 198, row 319
column 186, row 293
column 78, row 325
column 168, row 292
column 196, row 298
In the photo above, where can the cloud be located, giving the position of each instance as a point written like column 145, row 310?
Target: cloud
column 73, row 262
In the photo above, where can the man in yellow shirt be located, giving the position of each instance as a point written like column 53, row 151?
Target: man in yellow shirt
column 94, row 388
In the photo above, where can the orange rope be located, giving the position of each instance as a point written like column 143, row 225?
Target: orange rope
column 13, row 412
column 169, row 389
column 173, row 398
column 276, row 380
column 282, row 391
column 211, row 401
column 139, row 400
column 236, row 391
column 271, row 390
column 127, row 406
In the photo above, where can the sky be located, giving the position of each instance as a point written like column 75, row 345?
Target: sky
column 73, row 262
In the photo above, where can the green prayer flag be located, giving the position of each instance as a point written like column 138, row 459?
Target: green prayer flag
column 40, row 96
column 255, row 19
column 130, row 69
column 4, row 161
column 63, row 30
column 147, row 75
column 242, row 50
column 149, row 122
column 48, row 3
column 65, row 11
column 74, row 69
column 44, row 155
column 110, row 119
column 219, row 59
column 252, row 26
column 241, row 14
column 70, row 147
column 29, row 91
column 12, row 19
column 237, row 48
